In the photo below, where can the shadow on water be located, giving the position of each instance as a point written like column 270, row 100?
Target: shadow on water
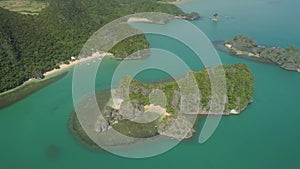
column 53, row 152
column 26, row 90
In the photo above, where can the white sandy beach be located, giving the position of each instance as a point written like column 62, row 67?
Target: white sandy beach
column 177, row 2
column 239, row 52
column 63, row 67
column 154, row 108
column 138, row 19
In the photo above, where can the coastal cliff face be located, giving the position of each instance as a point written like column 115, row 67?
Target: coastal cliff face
column 142, row 111
column 288, row 58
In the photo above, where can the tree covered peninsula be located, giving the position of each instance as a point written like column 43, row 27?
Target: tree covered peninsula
column 153, row 114
column 37, row 36
column 288, row 58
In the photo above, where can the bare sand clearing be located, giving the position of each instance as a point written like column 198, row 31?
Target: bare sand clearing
column 158, row 109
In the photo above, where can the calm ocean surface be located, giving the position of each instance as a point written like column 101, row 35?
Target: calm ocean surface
column 35, row 134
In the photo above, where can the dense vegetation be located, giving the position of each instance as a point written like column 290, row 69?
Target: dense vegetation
column 32, row 45
column 239, row 85
column 129, row 46
column 288, row 58
column 239, row 92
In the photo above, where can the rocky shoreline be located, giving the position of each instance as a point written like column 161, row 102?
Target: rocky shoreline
column 138, row 118
column 288, row 59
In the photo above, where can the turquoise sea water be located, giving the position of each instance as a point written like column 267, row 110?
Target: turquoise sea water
column 34, row 131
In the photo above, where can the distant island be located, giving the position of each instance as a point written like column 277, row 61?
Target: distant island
column 123, row 118
column 215, row 17
column 288, row 58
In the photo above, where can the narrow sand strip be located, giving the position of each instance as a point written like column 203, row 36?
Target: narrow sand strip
column 177, row 2
column 62, row 68
column 73, row 63
column 137, row 19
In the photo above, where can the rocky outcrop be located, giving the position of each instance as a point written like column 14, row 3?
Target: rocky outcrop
column 190, row 17
column 215, row 17
column 176, row 127
column 142, row 110
column 101, row 125
column 288, row 58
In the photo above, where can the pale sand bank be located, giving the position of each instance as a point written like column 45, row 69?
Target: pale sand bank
column 176, row 2
column 153, row 108
column 228, row 46
column 239, row 52
column 63, row 67
column 234, row 112
column 137, row 19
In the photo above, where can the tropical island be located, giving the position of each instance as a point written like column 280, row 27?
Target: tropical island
column 288, row 58
column 38, row 36
column 150, row 116
column 37, row 39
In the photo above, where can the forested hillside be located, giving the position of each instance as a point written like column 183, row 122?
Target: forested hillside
column 30, row 45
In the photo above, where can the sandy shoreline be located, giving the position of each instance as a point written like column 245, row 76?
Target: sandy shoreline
column 156, row 108
column 239, row 52
column 62, row 68
column 139, row 19
column 177, row 2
